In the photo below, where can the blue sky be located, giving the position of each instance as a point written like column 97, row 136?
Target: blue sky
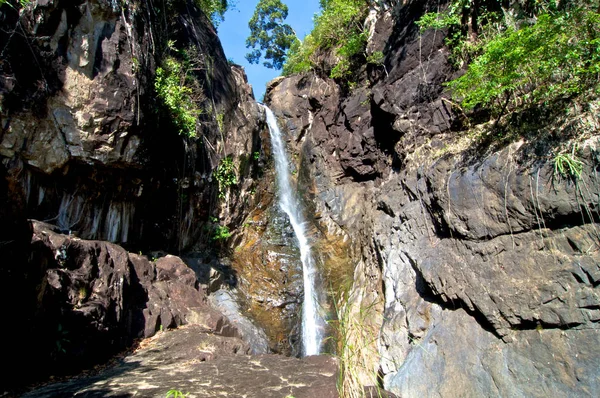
column 234, row 30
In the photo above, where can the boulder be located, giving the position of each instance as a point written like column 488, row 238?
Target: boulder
column 94, row 299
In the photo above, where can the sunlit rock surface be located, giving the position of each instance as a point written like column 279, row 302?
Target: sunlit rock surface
column 204, row 365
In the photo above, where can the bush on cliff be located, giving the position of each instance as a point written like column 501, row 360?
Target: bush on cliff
column 339, row 29
column 214, row 9
column 170, row 87
column 540, row 52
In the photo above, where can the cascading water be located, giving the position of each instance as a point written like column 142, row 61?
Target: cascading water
column 312, row 322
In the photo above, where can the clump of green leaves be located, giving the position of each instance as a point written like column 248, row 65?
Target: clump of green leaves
column 225, row 175
column 438, row 20
column 567, row 165
column 214, row 9
column 170, row 87
column 338, row 27
column 220, row 116
column 176, row 394
column 540, row 53
column 377, row 58
column 221, row 232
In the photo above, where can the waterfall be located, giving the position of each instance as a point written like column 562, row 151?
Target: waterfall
column 312, row 322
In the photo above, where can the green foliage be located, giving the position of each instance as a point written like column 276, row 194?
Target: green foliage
column 377, row 58
column 225, row 175
column 298, row 56
column 438, row 20
column 170, row 87
column 557, row 57
column 221, row 232
column 268, row 32
column 355, row 44
column 220, row 121
column 256, row 155
column 214, row 9
column 176, row 394
column 21, row 3
column 568, row 165
column 539, row 52
column 456, row 19
column 338, row 28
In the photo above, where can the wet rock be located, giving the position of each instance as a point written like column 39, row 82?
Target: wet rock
column 227, row 303
column 268, row 271
column 205, row 365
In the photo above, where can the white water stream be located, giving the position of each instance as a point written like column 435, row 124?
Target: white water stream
column 312, row 322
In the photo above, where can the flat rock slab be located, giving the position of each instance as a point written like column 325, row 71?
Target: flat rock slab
column 204, row 365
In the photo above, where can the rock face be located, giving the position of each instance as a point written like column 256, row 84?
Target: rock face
column 93, row 299
column 87, row 146
column 267, row 265
column 204, row 365
column 486, row 260
column 87, row 139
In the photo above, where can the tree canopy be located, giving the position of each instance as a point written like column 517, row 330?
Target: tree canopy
column 270, row 37
column 214, row 9
column 338, row 29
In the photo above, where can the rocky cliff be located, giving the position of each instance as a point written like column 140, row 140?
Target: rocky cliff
column 92, row 145
column 87, row 145
column 466, row 265
column 477, row 260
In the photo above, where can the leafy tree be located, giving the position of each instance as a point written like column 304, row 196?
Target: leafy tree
column 339, row 29
column 214, row 9
column 268, row 32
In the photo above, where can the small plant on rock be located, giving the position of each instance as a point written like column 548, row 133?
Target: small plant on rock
column 176, row 96
column 568, row 165
column 225, row 175
column 339, row 29
column 176, row 394
column 221, row 233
